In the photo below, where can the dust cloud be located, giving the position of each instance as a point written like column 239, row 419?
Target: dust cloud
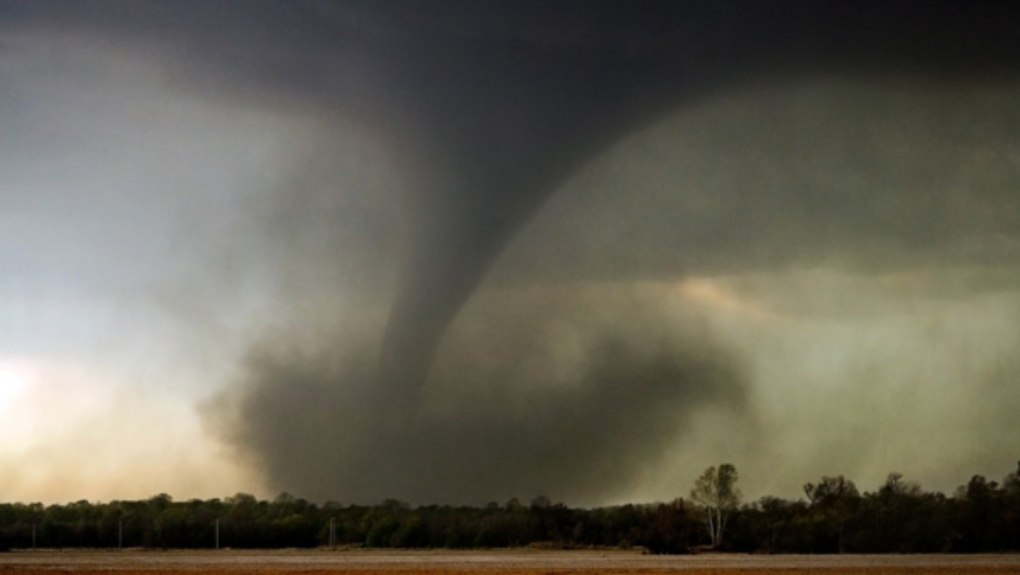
column 573, row 394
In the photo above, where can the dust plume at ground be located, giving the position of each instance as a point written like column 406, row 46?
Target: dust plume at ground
column 571, row 397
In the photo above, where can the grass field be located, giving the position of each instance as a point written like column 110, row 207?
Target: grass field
column 519, row 562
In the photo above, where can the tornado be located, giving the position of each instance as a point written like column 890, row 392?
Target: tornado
column 500, row 132
column 502, row 115
column 485, row 110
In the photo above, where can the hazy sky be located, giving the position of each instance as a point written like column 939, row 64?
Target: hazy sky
column 239, row 252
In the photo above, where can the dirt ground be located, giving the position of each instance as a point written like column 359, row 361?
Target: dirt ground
column 514, row 562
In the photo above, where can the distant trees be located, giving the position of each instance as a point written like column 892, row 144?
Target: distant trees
column 242, row 521
column 980, row 514
column 717, row 497
column 899, row 517
column 833, row 505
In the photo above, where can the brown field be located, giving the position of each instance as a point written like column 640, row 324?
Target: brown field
column 517, row 562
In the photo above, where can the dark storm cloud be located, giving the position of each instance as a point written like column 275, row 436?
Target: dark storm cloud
column 478, row 113
column 870, row 177
column 487, row 116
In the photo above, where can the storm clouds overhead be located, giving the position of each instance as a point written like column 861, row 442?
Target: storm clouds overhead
column 468, row 251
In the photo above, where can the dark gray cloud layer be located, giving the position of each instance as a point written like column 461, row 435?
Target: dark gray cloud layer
column 872, row 176
column 477, row 114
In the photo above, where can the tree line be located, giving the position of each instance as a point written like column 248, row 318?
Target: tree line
column 834, row 517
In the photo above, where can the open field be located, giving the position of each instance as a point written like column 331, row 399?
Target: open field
column 518, row 562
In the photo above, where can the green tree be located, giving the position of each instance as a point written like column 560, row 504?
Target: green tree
column 717, row 498
column 834, row 501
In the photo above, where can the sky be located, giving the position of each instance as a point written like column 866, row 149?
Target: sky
column 357, row 251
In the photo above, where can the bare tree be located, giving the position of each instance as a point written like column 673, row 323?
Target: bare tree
column 715, row 494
